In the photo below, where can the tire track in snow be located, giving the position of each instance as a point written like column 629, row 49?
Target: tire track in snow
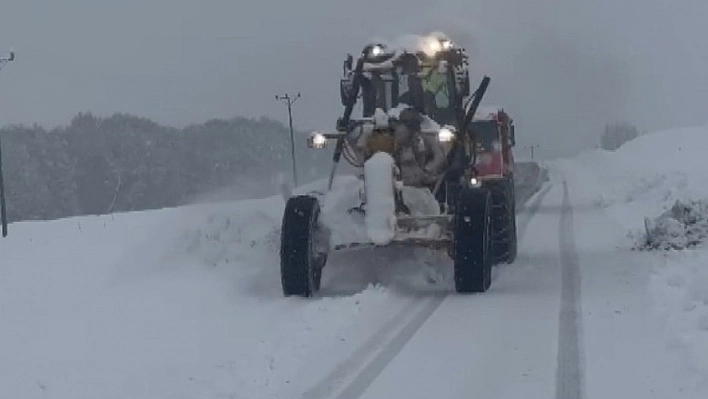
column 524, row 216
column 380, row 349
column 328, row 385
column 528, row 211
column 569, row 372
column 372, row 357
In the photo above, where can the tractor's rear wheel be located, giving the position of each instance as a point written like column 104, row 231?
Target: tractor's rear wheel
column 504, row 235
column 472, row 241
column 302, row 251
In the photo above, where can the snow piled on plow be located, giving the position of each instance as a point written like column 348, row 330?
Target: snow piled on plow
column 380, row 217
column 341, row 211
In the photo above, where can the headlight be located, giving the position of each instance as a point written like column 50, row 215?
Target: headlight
column 446, row 135
column 377, row 51
column 432, row 46
column 317, row 140
column 475, row 182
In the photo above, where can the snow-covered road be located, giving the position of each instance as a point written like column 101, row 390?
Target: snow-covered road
column 500, row 344
column 186, row 303
column 570, row 319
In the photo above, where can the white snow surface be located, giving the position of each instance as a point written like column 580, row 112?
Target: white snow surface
column 186, row 302
column 643, row 179
column 647, row 175
column 176, row 303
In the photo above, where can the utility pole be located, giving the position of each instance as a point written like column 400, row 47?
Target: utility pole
column 3, row 210
column 289, row 101
column 532, row 148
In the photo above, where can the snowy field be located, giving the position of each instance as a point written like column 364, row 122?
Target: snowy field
column 186, row 302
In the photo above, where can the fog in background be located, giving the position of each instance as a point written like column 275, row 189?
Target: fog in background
column 562, row 68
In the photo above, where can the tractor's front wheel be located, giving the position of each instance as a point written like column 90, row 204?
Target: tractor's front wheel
column 472, row 241
column 303, row 247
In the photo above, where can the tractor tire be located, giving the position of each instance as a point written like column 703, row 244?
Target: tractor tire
column 513, row 235
column 504, row 234
column 472, row 255
column 302, row 257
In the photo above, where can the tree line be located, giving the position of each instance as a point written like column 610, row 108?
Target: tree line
column 617, row 134
column 99, row 165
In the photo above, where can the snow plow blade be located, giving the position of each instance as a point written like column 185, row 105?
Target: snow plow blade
column 409, row 234
column 440, row 243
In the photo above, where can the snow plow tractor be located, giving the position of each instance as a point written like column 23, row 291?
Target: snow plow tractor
column 432, row 171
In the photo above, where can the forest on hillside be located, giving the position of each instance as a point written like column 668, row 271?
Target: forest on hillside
column 99, row 165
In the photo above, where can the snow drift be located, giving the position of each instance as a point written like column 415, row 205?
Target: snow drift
column 684, row 225
column 656, row 188
column 176, row 303
column 646, row 176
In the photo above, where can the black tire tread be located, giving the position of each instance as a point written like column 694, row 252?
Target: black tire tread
column 504, row 240
column 472, row 262
column 299, row 274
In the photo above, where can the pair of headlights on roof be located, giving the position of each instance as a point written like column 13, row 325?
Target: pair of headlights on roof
column 430, row 46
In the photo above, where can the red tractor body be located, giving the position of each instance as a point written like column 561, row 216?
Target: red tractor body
column 494, row 135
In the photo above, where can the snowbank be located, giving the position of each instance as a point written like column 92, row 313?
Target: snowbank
column 176, row 303
column 680, row 288
column 683, row 226
column 646, row 176
column 657, row 184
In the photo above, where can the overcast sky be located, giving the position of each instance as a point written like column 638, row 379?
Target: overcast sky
column 562, row 68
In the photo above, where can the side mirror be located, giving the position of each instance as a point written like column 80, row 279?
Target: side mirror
column 512, row 135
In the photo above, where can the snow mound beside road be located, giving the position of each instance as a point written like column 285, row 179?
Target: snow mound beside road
column 656, row 188
column 173, row 303
column 684, row 225
column 650, row 173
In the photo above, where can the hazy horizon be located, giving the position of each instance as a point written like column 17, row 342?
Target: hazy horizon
column 562, row 70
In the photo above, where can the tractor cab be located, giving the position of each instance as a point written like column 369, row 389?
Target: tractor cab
column 493, row 131
column 431, row 78
column 436, row 94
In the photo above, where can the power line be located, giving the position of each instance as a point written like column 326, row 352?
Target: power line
column 289, row 101
column 3, row 209
column 531, row 147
